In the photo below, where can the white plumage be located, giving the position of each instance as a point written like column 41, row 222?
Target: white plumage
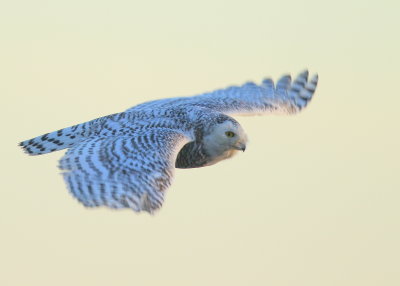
column 127, row 160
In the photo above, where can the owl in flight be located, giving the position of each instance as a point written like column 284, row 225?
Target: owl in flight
column 127, row 159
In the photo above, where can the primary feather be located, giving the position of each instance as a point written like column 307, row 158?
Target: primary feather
column 127, row 160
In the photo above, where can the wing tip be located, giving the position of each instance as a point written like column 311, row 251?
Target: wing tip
column 315, row 78
column 303, row 89
column 24, row 145
column 305, row 73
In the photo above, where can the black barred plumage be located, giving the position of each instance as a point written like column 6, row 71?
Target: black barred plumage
column 63, row 138
column 127, row 160
column 122, row 173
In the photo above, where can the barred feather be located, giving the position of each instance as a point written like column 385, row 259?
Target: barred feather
column 248, row 99
column 63, row 138
column 127, row 160
column 123, row 172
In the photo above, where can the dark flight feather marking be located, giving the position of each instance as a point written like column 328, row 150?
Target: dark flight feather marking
column 127, row 160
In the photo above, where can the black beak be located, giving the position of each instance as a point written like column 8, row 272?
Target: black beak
column 241, row 147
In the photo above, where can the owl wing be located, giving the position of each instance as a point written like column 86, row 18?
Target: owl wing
column 123, row 171
column 250, row 98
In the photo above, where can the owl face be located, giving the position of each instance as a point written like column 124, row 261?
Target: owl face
column 225, row 139
column 231, row 135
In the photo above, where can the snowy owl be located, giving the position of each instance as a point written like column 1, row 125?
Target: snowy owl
column 127, row 159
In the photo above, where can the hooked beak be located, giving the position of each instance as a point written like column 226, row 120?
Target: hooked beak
column 240, row 146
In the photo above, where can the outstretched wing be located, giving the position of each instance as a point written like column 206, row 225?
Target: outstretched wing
column 250, row 98
column 123, row 171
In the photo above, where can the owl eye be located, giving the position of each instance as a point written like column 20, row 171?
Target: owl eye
column 229, row 134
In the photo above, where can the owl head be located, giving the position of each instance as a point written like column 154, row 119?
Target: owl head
column 224, row 139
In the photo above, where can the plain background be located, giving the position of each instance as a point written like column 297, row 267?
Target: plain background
column 313, row 201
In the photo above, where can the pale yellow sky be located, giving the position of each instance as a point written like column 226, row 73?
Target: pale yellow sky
column 314, row 200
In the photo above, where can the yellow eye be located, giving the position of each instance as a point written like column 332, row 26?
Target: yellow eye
column 229, row 134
